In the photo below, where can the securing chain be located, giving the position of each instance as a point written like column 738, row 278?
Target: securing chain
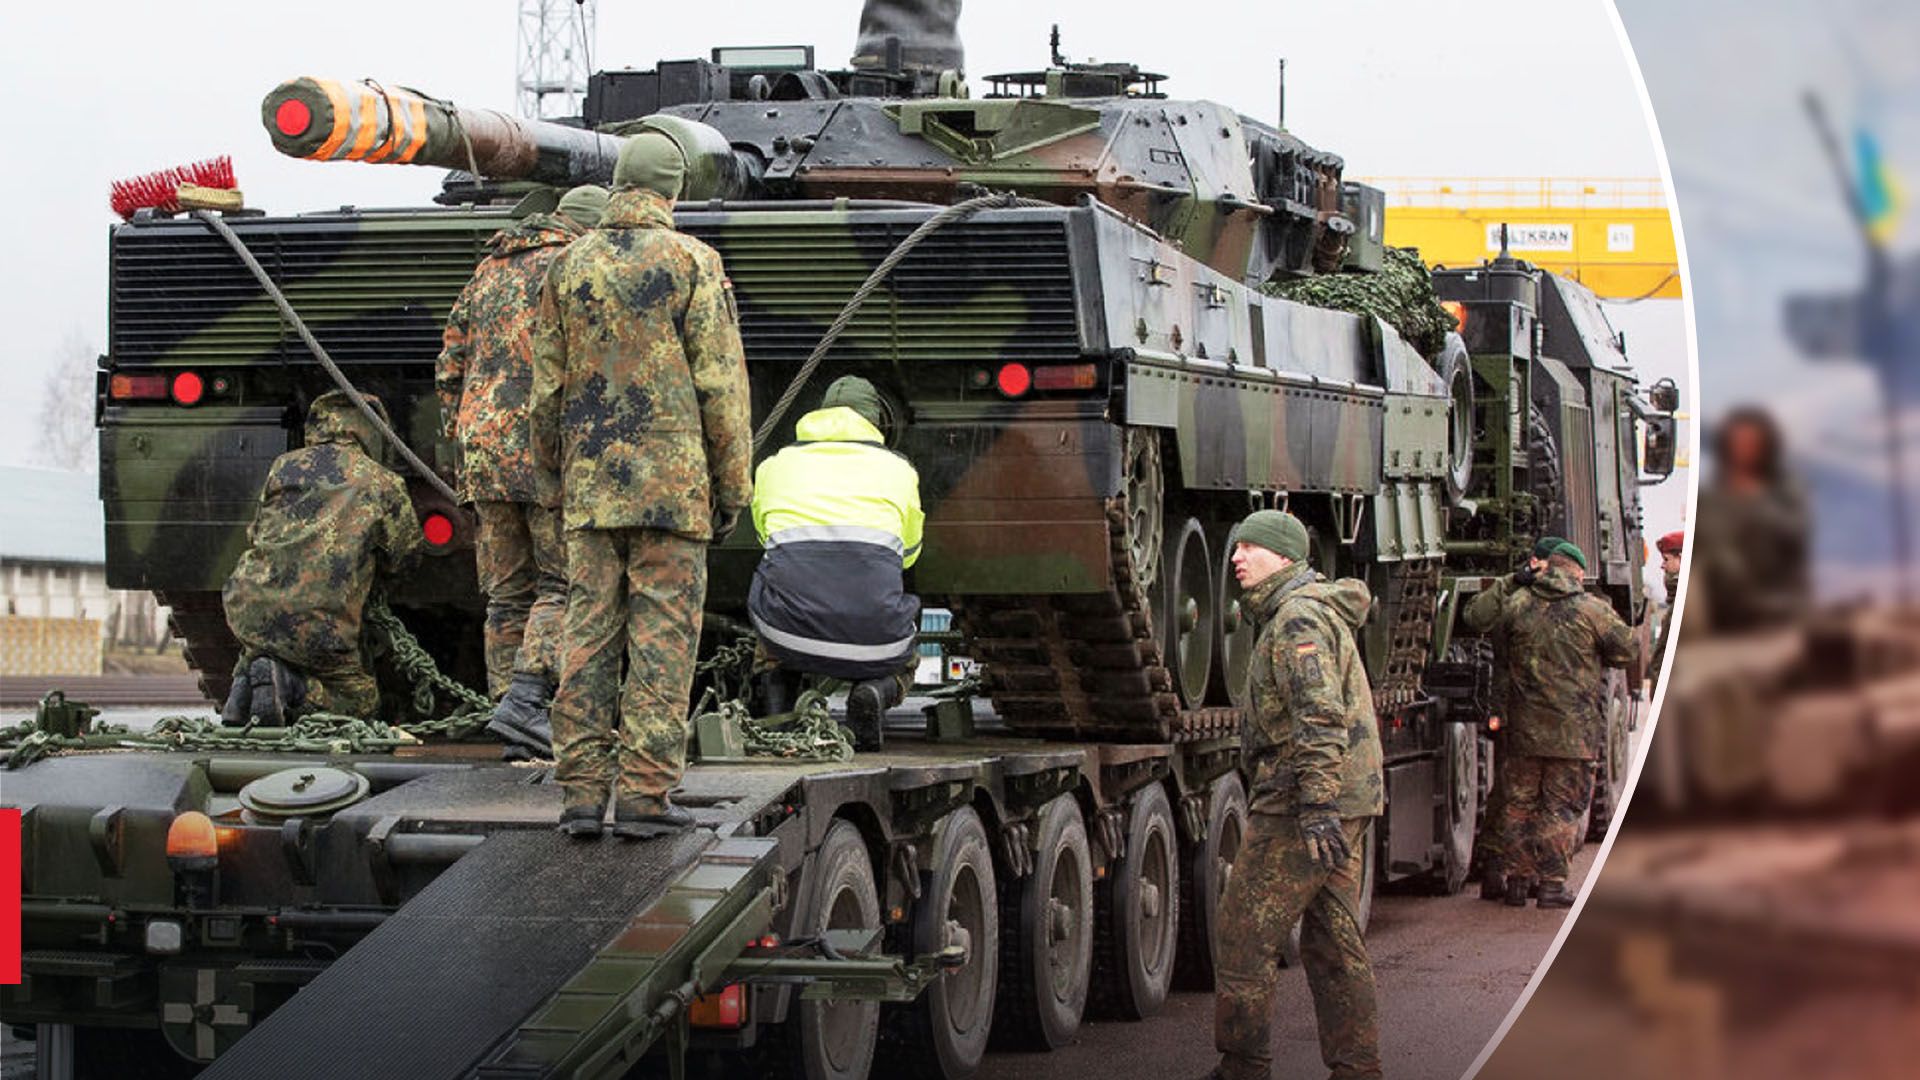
column 809, row 733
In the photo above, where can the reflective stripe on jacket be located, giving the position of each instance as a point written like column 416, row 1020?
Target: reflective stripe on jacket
column 839, row 515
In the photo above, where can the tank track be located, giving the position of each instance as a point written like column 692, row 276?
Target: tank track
column 1085, row 666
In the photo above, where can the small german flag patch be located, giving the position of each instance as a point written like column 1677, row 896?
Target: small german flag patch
column 1305, row 647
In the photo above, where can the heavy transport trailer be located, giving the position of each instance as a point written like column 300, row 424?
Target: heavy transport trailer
column 416, row 915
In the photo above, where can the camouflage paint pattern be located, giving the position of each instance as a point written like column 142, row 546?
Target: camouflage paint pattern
column 1558, row 638
column 520, row 556
column 1311, row 735
column 1546, row 797
column 485, row 372
column 634, row 595
column 1275, row 884
column 640, row 398
column 331, row 521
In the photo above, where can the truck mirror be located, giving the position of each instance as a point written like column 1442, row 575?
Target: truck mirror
column 1659, row 447
column 1664, row 395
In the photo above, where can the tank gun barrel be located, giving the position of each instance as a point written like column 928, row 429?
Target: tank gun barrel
column 331, row 120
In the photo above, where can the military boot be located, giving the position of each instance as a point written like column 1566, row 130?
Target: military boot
column 1493, row 884
column 1517, row 890
column 277, row 691
column 1554, row 894
column 867, row 705
column 773, row 693
column 522, row 719
column 582, row 821
column 239, row 698
column 632, row 821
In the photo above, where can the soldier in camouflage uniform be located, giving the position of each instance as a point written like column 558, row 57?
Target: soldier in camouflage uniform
column 1558, row 638
column 331, row 521
column 1752, row 563
column 1313, row 745
column 1490, row 846
column 1671, row 546
column 485, row 380
column 641, row 412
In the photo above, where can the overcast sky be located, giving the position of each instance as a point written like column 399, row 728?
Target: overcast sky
column 99, row 91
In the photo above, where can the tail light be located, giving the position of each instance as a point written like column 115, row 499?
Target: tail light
column 437, row 528
column 188, row 388
column 1013, row 380
column 726, row 1009
column 1066, row 377
column 137, row 387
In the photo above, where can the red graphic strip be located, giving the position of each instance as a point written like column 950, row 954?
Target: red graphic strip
column 10, row 897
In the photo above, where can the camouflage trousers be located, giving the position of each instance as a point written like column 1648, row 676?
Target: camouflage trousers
column 1541, row 819
column 1275, row 884
column 635, row 594
column 521, row 556
column 1489, row 850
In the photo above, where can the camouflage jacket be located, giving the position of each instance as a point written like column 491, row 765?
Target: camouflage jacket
column 330, row 520
column 640, row 402
column 1312, row 736
column 1558, row 637
column 485, row 373
column 1751, row 556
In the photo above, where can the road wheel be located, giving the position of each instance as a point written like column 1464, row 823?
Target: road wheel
column 1137, row 914
column 1208, row 865
column 1610, row 786
column 1146, row 503
column 945, row 1032
column 1239, row 629
column 835, row 1040
column 1187, row 620
column 1046, row 936
column 1455, row 819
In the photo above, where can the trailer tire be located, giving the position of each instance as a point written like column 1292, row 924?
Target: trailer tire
column 835, row 1040
column 1137, row 914
column 1610, row 783
column 1208, row 864
column 1457, row 821
column 945, row 1032
column 1046, row 936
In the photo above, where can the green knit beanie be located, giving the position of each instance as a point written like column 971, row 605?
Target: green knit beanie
column 1546, row 545
column 652, row 161
column 1572, row 551
column 856, row 393
column 583, row 205
column 1275, row 530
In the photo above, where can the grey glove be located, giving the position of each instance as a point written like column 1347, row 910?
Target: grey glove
column 724, row 522
column 1326, row 840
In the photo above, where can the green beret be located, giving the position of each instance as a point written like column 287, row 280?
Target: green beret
column 1275, row 530
column 652, row 161
column 583, row 205
column 1572, row 551
column 856, row 393
column 1546, row 546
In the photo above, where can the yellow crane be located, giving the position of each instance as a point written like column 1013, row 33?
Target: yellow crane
column 1613, row 235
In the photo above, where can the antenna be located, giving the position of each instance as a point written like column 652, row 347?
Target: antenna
column 1283, row 93
column 554, row 57
column 1053, row 44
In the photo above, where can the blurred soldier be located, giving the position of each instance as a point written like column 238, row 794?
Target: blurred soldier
column 332, row 519
column 1492, row 844
column 485, row 378
column 1751, row 565
column 1558, row 636
column 840, row 517
column 1670, row 545
column 1313, row 745
column 640, row 410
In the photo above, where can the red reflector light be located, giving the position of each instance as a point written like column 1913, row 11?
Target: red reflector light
column 188, row 388
column 137, row 387
column 437, row 528
column 1493, row 723
column 726, row 1009
column 293, row 118
column 1066, row 377
column 1014, row 379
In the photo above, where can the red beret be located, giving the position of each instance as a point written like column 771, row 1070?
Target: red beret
column 1671, row 543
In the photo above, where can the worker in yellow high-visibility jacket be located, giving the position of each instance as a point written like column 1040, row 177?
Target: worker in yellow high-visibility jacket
column 839, row 515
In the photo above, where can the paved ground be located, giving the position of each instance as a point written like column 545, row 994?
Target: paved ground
column 1447, row 971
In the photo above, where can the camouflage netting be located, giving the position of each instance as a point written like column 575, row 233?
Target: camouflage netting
column 1401, row 294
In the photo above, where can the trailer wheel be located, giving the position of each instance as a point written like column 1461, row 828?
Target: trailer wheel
column 1137, row 914
column 1208, row 864
column 1455, row 820
column 1046, row 936
column 834, row 1040
column 1610, row 786
column 945, row 1032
